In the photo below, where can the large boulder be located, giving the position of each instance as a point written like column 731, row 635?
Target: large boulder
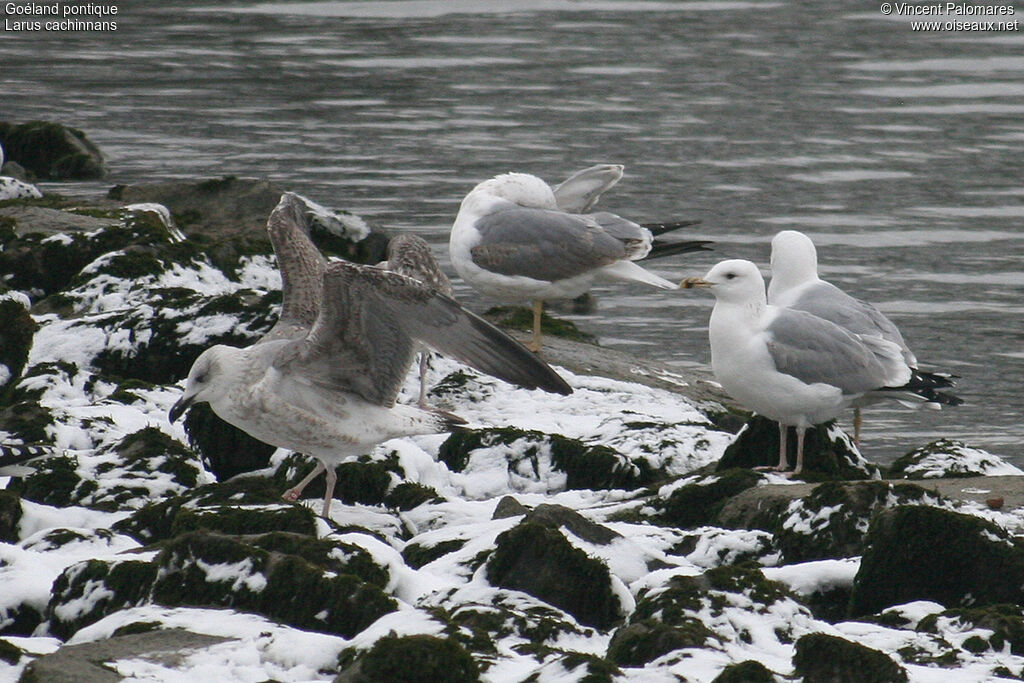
column 828, row 452
column 539, row 560
column 304, row 582
column 948, row 458
column 412, row 659
column 927, row 553
column 52, row 151
column 821, row 658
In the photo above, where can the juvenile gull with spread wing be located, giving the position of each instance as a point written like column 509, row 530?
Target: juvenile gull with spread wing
column 795, row 284
column 789, row 365
column 514, row 239
column 325, row 379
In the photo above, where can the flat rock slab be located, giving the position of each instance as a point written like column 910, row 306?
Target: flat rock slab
column 977, row 489
column 89, row 662
column 39, row 219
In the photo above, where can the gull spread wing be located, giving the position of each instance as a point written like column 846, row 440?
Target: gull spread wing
column 542, row 244
column 370, row 322
column 302, row 267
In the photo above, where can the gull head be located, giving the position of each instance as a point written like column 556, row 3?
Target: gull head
column 733, row 280
column 202, row 384
column 519, row 188
column 794, row 259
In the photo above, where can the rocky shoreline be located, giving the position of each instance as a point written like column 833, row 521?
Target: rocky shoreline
column 615, row 535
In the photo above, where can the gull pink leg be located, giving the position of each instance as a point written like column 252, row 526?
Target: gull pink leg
column 783, row 436
column 292, row 494
column 332, row 478
column 800, row 433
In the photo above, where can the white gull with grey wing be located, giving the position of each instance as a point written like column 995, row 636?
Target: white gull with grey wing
column 788, row 365
column 511, row 240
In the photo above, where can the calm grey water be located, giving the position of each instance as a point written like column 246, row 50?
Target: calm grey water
column 899, row 152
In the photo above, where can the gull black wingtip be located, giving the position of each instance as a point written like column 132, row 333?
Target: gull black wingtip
column 660, row 249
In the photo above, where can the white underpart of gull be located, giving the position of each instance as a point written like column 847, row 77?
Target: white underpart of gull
column 795, row 284
column 788, row 365
column 513, row 240
column 410, row 255
column 325, row 379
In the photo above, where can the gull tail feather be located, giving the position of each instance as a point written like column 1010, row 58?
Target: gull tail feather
column 631, row 272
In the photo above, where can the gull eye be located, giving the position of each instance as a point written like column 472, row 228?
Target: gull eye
column 730, row 276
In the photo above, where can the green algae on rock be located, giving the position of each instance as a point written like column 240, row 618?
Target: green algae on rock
column 412, row 659
column 917, row 552
column 828, row 451
column 540, row 561
column 821, row 658
column 52, row 151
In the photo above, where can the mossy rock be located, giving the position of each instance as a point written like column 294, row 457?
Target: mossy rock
column 55, row 482
column 26, row 420
column 645, row 640
column 832, row 520
column 155, row 521
column 16, row 331
column 280, row 586
column 52, row 151
column 750, row 671
column 540, row 561
column 413, row 659
column 235, row 519
column 144, row 465
column 685, row 598
column 828, row 452
column 822, row 658
column 586, row 466
column 87, row 591
column 155, row 351
column 409, row 495
column 589, row 668
column 20, row 619
column 697, row 504
column 10, row 515
column 329, row 554
column 225, row 449
column 946, row 458
column 521, row 318
column 10, row 653
column 417, row 555
column 1006, row 622
column 927, row 553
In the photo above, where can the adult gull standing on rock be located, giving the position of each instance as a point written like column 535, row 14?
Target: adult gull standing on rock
column 795, row 284
column 513, row 240
column 789, row 365
column 325, row 379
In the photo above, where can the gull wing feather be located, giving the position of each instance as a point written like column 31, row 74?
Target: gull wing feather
column 542, row 244
column 302, row 267
column 827, row 301
column 579, row 192
column 370, row 322
column 817, row 351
